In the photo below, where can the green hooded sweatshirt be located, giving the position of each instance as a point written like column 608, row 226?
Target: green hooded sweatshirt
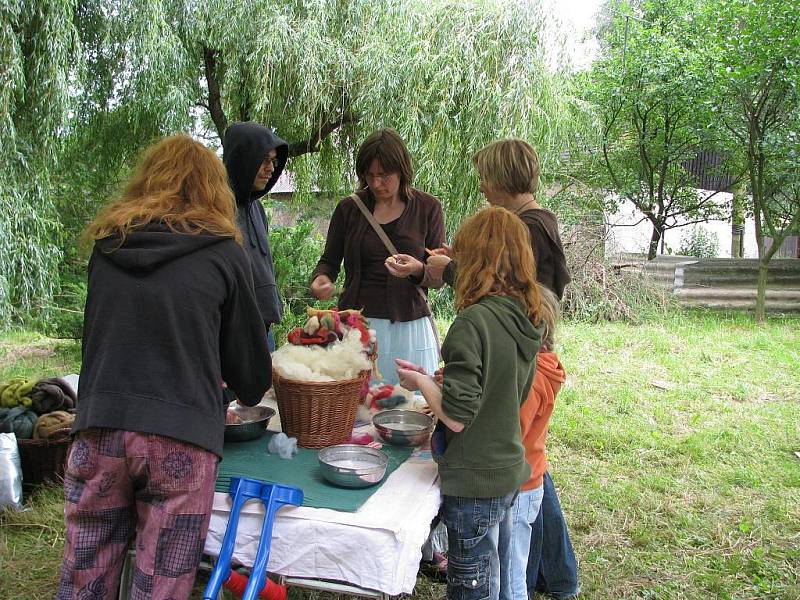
column 489, row 356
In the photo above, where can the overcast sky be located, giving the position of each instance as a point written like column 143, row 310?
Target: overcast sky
column 581, row 14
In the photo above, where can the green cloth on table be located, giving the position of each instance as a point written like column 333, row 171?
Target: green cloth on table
column 251, row 459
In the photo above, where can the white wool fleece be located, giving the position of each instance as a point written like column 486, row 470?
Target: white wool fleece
column 339, row 361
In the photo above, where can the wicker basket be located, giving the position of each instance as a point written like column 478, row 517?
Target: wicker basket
column 43, row 461
column 318, row 413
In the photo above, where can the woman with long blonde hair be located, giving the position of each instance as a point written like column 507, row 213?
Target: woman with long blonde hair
column 170, row 314
column 489, row 355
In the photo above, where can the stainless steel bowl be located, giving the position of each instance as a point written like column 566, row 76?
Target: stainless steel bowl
column 255, row 420
column 353, row 466
column 403, row 427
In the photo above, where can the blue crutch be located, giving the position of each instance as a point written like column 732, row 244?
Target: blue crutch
column 273, row 496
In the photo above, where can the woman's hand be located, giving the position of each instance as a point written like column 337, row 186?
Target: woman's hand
column 322, row 287
column 403, row 265
column 436, row 264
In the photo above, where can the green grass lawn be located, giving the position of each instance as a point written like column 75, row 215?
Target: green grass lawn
column 672, row 445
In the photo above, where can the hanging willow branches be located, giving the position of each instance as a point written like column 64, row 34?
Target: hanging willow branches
column 37, row 52
column 449, row 75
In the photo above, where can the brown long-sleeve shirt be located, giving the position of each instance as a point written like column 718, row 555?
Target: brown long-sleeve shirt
column 420, row 226
column 548, row 252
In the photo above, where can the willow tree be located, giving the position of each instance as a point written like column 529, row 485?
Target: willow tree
column 88, row 83
column 449, row 75
column 38, row 46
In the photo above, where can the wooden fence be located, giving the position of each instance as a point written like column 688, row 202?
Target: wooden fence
column 724, row 283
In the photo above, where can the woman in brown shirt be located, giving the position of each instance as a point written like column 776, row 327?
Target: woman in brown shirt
column 384, row 286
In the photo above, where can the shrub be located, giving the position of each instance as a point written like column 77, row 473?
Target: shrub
column 699, row 242
column 295, row 252
column 65, row 317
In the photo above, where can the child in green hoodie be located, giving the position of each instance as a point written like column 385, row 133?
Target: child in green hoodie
column 489, row 355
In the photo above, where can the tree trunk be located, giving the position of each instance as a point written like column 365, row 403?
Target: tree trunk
column 654, row 239
column 737, row 222
column 761, row 293
column 214, row 93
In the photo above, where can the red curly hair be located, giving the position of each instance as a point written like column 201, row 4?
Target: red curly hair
column 178, row 182
column 493, row 251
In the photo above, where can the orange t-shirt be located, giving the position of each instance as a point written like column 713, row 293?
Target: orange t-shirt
column 534, row 415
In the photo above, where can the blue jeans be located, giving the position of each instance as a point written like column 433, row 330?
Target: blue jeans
column 521, row 517
column 270, row 341
column 473, row 533
column 552, row 568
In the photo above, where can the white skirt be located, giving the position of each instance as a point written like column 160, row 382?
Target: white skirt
column 410, row 340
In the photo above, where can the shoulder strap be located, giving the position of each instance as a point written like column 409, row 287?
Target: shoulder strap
column 393, row 250
column 371, row 220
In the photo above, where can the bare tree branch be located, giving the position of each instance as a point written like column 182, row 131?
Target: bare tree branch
column 313, row 142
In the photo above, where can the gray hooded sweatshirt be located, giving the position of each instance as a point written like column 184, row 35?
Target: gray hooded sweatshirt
column 245, row 147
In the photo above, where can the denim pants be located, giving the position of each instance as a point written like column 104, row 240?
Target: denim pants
column 521, row 517
column 552, row 568
column 473, row 532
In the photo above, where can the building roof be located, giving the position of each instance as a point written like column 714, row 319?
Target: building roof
column 706, row 167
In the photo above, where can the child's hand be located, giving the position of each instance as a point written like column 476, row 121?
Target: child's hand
column 438, row 377
column 445, row 250
column 409, row 379
column 405, row 364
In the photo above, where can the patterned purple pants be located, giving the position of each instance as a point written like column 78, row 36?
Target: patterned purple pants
column 118, row 482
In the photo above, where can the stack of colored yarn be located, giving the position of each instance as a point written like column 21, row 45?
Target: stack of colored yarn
column 36, row 410
column 325, row 326
column 51, row 398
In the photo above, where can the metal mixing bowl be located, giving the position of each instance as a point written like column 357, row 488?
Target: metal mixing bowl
column 403, row 427
column 353, row 466
column 256, row 419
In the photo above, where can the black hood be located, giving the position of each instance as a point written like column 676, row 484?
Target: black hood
column 148, row 248
column 244, row 149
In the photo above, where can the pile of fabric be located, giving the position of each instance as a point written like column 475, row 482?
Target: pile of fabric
column 36, row 410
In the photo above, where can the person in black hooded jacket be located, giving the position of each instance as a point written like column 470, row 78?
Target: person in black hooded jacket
column 255, row 158
column 170, row 314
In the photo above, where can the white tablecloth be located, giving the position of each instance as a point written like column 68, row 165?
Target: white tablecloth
column 378, row 547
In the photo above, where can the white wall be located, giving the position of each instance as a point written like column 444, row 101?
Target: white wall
column 637, row 238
